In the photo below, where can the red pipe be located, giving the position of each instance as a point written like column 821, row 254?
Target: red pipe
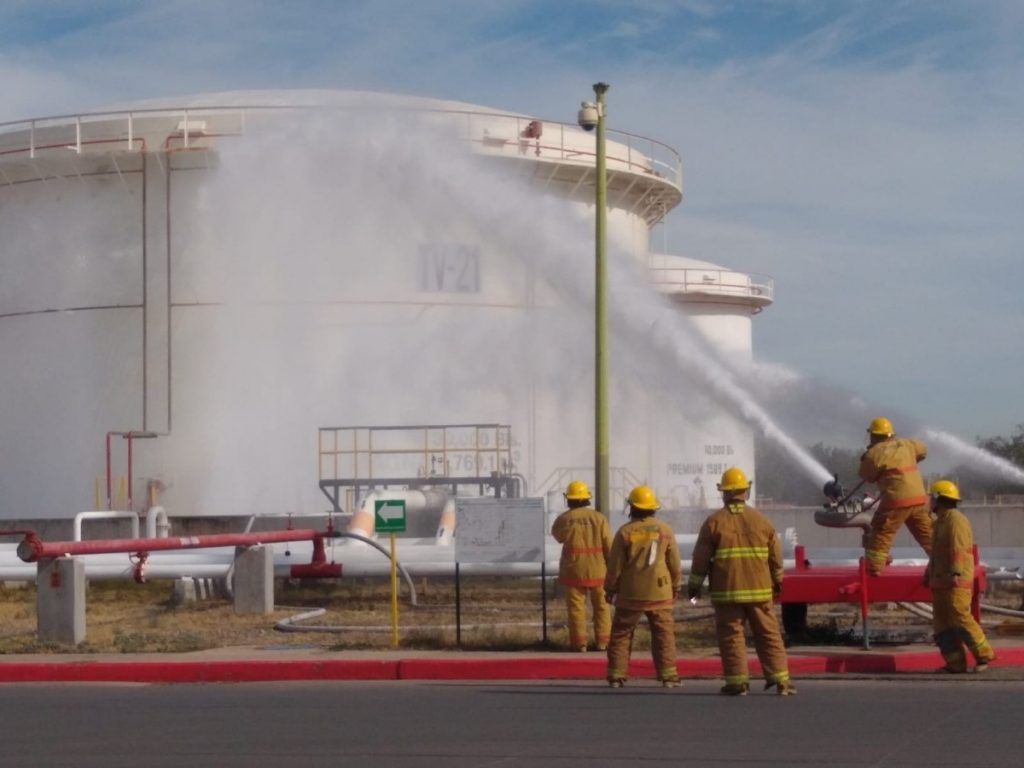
column 316, row 571
column 33, row 548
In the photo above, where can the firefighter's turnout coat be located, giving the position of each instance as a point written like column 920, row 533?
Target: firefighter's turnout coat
column 586, row 540
column 740, row 553
column 951, row 565
column 892, row 464
column 644, row 569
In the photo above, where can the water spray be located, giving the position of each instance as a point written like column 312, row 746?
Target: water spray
column 977, row 457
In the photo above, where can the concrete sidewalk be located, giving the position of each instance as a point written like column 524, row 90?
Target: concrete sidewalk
column 277, row 663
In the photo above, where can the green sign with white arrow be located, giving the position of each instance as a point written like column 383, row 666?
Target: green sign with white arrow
column 389, row 515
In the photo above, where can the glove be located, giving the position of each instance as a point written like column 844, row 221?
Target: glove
column 609, row 597
column 693, row 592
column 776, row 589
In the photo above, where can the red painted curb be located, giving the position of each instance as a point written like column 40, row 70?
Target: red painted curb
column 569, row 668
column 197, row 671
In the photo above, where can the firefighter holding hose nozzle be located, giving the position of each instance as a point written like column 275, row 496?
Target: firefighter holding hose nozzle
column 891, row 463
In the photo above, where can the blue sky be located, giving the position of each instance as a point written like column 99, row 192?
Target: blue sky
column 869, row 156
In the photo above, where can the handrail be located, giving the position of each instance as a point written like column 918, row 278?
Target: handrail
column 717, row 281
column 641, row 153
column 556, row 478
column 476, row 448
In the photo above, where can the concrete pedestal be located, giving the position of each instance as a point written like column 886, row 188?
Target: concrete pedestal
column 60, row 600
column 254, row 581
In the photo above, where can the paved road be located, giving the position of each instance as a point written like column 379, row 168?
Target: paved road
column 841, row 723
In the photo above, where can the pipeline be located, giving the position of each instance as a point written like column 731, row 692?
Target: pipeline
column 32, row 548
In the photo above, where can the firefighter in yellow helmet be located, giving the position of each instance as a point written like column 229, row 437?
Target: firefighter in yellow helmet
column 740, row 553
column 586, row 539
column 950, row 574
column 891, row 462
column 644, row 577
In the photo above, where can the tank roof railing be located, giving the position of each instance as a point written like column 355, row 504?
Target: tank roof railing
column 491, row 132
column 758, row 289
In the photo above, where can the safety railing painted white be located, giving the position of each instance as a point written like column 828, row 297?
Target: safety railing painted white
column 182, row 128
column 720, row 282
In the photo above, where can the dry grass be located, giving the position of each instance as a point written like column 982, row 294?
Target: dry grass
column 496, row 614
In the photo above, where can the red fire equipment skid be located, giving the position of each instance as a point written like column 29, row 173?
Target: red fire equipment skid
column 807, row 583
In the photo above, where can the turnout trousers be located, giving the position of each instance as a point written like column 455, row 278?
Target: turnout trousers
column 663, row 642
column 732, row 644
column 955, row 628
column 576, row 599
column 885, row 524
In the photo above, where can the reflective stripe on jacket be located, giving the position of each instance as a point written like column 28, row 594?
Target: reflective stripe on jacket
column 737, row 547
column 952, row 562
column 644, row 569
column 586, row 539
column 892, row 463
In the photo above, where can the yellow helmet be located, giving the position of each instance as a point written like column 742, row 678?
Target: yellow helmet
column 642, row 497
column 945, row 488
column 733, row 479
column 881, row 427
column 577, row 491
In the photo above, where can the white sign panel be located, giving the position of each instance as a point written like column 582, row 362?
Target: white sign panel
column 500, row 531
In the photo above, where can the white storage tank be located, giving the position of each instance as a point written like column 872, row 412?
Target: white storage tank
column 226, row 276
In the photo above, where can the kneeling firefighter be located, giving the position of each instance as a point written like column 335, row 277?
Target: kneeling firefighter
column 739, row 550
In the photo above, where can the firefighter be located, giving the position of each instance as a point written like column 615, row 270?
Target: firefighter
column 739, row 552
column 585, row 538
column 950, row 574
column 891, row 462
column 644, row 577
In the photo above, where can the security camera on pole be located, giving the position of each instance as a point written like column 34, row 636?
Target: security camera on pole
column 591, row 116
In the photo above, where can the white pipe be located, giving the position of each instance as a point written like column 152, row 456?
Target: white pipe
column 1002, row 611
column 157, row 524
column 105, row 514
column 446, row 525
column 430, row 502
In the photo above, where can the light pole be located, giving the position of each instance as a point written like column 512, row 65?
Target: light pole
column 591, row 116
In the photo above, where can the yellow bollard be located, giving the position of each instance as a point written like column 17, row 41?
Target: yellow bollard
column 394, row 595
